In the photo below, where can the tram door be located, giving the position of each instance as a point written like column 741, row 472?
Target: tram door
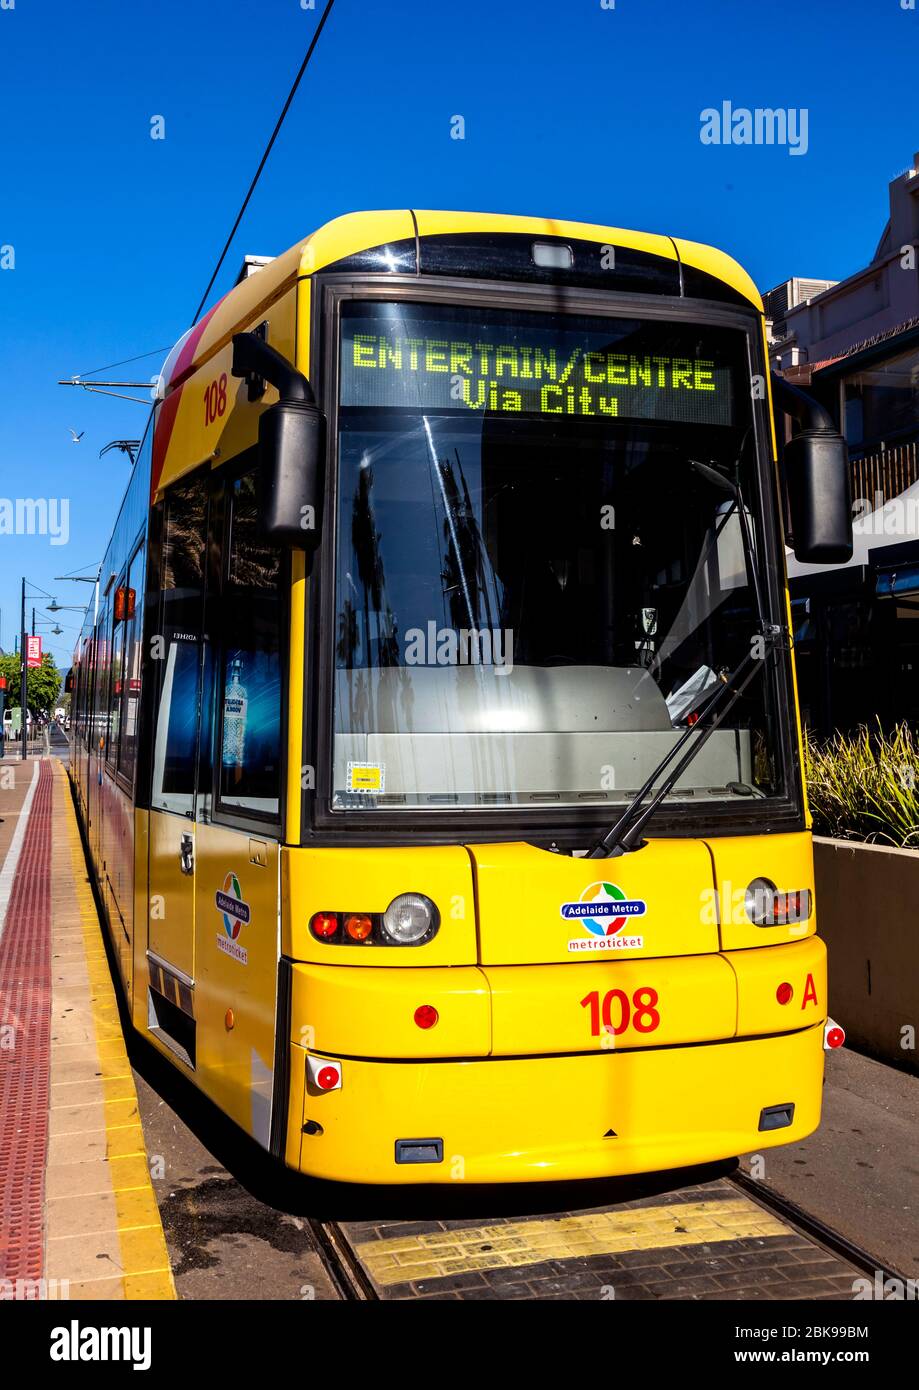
column 178, row 652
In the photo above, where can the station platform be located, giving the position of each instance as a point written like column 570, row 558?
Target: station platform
column 78, row 1215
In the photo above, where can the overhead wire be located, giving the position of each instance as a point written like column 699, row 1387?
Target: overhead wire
column 264, row 159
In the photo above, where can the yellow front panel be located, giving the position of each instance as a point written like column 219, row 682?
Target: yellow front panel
column 371, row 1013
column 610, row 1004
column 786, row 860
column 367, row 880
column 550, row 1117
column 523, row 892
column 759, row 975
column 236, row 971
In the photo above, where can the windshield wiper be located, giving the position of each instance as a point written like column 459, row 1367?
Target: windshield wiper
column 625, row 835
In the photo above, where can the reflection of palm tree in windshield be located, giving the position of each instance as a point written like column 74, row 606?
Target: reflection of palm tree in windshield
column 467, row 572
column 347, row 645
column 383, row 653
column 365, row 543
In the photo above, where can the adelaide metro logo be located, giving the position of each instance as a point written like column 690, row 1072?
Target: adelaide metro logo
column 603, row 910
column 235, row 915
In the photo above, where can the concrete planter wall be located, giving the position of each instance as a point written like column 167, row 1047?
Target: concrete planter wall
column 868, row 915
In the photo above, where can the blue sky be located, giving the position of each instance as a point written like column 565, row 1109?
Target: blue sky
column 571, row 110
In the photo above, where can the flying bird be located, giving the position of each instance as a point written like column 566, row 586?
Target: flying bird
column 77, row 437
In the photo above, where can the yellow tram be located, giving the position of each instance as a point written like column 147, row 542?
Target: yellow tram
column 435, row 733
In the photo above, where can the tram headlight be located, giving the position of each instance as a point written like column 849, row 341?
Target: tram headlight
column 767, row 907
column 410, row 919
column 759, row 902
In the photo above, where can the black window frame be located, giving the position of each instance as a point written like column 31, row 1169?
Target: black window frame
column 568, row 826
column 112, row 752
column 266, row 823
column 133, row 628
column 154, row 624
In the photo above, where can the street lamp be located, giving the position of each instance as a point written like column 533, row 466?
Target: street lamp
column 85, row 579
column 24, row 665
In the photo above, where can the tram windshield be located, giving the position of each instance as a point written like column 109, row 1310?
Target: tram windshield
column 535, row 589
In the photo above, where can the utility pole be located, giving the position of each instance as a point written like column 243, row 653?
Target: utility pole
column 23, row 672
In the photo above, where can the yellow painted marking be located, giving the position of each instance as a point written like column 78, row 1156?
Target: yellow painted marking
column 434, row 1255
column 143, row 1267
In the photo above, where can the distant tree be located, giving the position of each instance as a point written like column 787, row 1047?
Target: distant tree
column 44, row 682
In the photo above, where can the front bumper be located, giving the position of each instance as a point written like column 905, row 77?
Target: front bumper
column 549, row 1118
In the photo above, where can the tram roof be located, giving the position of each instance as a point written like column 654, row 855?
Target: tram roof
column 357, row 232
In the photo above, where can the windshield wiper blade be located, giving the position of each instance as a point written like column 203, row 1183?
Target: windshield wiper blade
column 739, row 506
column 625, row 835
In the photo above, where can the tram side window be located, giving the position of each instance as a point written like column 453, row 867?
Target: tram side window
column 249, row 675
column 103, row 664
column 88, row 659
column 116, row 685
column 133, row 647
column 175, row 736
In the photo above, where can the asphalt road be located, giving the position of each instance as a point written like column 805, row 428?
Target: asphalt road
column 236, row 1225
column 59, row 742
column 859, row 1173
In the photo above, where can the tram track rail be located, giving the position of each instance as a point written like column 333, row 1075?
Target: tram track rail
column 343, row 1266
column 353, row 1283
column 811, row 1226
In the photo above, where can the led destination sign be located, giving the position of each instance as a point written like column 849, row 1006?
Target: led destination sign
column 614, row 369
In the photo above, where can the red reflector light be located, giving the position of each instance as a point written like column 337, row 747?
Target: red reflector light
column 327, row 1078
column 783, row 993
column 792, row 907
column 324, row 925
column 834, row 1036
column 358, row 926
column 426, row 1016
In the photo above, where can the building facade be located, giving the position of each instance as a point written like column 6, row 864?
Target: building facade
column 854, row 345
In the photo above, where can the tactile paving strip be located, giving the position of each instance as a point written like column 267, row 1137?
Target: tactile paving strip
column 25, row 1033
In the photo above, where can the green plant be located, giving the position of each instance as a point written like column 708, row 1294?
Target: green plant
column 865, row 786
column 44, row 682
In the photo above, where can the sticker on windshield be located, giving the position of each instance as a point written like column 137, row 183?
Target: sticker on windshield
column 366, row 777
column 602, row 911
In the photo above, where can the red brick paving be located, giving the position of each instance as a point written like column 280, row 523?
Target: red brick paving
column 25, row 1006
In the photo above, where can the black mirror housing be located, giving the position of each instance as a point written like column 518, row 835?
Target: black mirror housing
column 291, row 446
column 819, row 497
column 291, row 441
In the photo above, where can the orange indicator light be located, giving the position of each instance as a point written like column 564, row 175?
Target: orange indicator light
column 358, row 926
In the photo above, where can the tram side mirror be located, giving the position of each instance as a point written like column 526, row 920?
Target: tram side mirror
column 291, row 443
column 291, row 446
column 819, row 497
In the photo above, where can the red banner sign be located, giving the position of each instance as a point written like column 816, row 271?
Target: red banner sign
column 33, row 651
